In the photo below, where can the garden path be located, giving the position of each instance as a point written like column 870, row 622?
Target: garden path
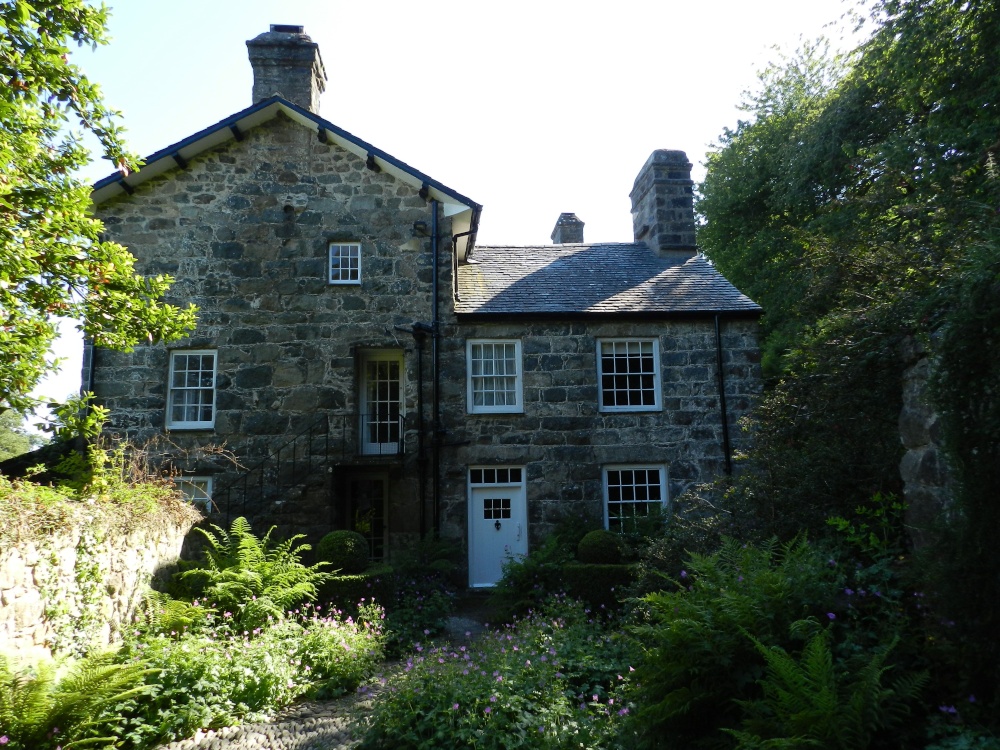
column 325, row 725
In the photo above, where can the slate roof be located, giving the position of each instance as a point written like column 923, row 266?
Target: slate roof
column 593, row 280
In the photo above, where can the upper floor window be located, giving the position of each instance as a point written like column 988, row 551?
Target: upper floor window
column 494, row 376
column 345, row 263
column 629, row 374
column 631, row 494
column 196, row 490
column 191, row 396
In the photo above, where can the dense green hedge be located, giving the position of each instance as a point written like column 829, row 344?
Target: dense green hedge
column 344, row 592
column 597, row 584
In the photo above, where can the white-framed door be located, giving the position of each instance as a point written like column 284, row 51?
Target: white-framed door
column 498, row 521
column 381, row 402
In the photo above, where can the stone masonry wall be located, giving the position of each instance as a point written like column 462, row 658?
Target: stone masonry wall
column 926, row 485
column 245, row 231
column 81, row 586
column 563, row 439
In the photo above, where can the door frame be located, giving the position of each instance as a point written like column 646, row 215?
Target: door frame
column 366, row 448
column 350, row 507
column 507, row 478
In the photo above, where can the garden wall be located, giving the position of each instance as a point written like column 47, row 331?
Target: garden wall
column 927, row 484
column 79, row 584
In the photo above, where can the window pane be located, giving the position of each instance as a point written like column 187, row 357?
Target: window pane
column 493, row 374
column 628, row 374
column 630, row 493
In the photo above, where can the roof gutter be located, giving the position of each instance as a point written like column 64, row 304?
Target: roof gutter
column 639, row 315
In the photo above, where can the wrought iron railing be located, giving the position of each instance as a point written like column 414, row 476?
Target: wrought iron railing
column 279, row 476
column 303, row 463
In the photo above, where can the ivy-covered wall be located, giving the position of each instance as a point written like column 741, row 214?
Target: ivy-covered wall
column 78, row 584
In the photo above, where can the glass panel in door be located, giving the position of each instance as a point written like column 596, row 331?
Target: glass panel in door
column 381, row 408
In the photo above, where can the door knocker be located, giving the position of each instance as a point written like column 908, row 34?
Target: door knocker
column 497, row 525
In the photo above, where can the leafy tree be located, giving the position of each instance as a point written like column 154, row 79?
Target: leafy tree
column 52, row 260
column 14, row 440
column 861, row 209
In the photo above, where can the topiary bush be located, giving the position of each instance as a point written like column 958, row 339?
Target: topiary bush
column 600, row 585
column 346, row 551
column 600, row 547
column 346, row 592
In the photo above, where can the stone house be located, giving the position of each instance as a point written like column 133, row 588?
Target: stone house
column 370, row 366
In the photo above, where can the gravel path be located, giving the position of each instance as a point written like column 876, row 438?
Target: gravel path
column 327, row 725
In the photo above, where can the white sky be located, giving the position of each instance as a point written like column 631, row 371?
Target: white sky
column 530, row 108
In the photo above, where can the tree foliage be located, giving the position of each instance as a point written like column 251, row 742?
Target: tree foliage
column 53, row 262
column 842, row 204
column 14, row 439
column 857, row 202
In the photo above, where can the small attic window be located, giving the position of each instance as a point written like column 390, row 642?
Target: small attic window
column 345, row 263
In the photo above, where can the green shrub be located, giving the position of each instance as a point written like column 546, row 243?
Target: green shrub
column 809, row 702
column 529, row 581
column 252, row 579
column 345, row 592
column 600, row 586
column 41, row 709
column 550, row 681
column 345, row 551
column 699, row 660
column 600, row 547
column 427, row 576
column 221, row 674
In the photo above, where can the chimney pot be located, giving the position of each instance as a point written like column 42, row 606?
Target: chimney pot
column 568, row 229
column 287, row 62
column 663, row 205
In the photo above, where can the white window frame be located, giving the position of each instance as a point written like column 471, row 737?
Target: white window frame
column 376, row 415
column 173, row 390
column 643, row 488
column 657, row 387
column 353, row 268
column 472, row 378
column 196, row 490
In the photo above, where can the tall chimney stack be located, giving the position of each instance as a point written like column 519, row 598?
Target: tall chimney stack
column 287, row 62
column 663, row 205
column 568, row 228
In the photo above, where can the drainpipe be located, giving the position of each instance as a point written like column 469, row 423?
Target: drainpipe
column 436, row 376
column 726, row 448
column 418, row 334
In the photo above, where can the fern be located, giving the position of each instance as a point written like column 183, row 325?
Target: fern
column 41, row 710
column 254, row 579
column 806, row 703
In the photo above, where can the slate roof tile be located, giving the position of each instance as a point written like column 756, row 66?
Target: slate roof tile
column 604, row 278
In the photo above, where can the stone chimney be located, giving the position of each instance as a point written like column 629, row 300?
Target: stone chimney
column 287, row 62
column 568, row 229
column 663, row 205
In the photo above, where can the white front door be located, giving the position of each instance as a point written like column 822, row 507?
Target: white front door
column 498, row 522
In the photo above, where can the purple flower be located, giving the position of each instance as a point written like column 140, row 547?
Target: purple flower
column 831, row 615
column 488, row 710
column 849, row 592
column 622, row 711
column 455, row 707
column 684, row 574
column 4, row 740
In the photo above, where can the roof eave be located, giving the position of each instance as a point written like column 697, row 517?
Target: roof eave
column 453, row 203
column 500, row 317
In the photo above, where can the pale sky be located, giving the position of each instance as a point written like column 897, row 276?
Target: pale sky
column 530, row 108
